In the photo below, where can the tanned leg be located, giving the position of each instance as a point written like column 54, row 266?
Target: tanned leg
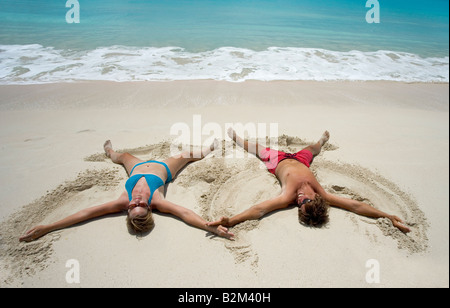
column 250, row 147
column 176, row 163
column 125, row 159
column 317, row 147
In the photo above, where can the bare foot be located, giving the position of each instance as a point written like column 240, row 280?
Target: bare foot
column 231, row 133
column 325, row 137
column 108, row 147
column 215, row 144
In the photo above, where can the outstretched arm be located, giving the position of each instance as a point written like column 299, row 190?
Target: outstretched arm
column 191, row 218
column 83, row 215
column 255, row 212
column 364, row 209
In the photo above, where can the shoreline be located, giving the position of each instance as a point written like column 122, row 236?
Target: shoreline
column 47, row 132
column 150, row 94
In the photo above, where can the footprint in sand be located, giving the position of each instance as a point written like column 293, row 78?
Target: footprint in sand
column 34, row 139
column 85, row 131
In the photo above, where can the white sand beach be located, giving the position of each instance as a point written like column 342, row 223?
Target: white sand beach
column 389, row 146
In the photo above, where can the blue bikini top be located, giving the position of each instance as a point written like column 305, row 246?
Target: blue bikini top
column 153, row 181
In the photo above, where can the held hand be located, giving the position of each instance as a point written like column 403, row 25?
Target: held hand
column 223, row 232
column 397, row 222
column 224, row 221
column 33, row 234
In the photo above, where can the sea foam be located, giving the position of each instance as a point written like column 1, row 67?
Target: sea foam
column 34, row 64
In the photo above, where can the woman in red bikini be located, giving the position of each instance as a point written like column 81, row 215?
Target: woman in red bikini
column 299, row 186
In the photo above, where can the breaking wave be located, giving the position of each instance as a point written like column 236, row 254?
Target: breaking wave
column 34, row 64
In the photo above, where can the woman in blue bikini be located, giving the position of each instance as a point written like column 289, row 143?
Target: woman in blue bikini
column 143, row 193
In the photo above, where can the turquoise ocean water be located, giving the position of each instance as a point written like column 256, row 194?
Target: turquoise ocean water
column 232, row 40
